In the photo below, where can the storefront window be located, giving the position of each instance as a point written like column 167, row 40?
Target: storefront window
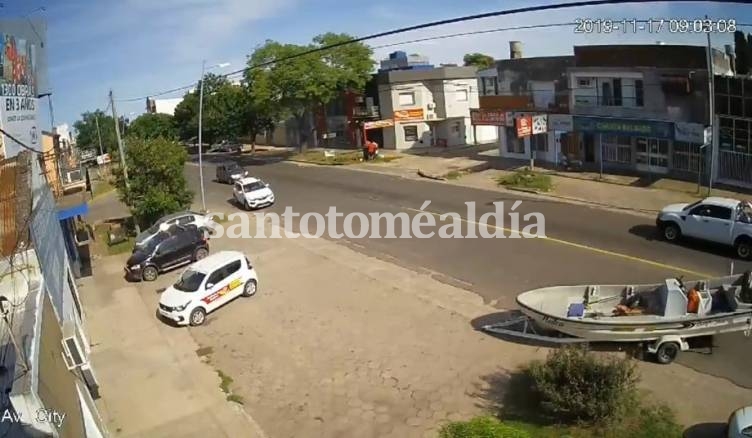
column 515, row 145
column 617, row 148
column 411, row 133
column 652, row 152
column 539, row 142
column 687, row 156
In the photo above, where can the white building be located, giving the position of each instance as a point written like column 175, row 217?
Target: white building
column 430, row 107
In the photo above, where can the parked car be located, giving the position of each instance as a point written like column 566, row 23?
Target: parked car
column 204, row 222
column 207, row 285
column 226, row 146
column 720, row 220
column 171, row 247
column 252, row 193
column 740, row 423
column 229, row 172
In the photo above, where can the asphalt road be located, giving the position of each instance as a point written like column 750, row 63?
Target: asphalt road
column 585, row 245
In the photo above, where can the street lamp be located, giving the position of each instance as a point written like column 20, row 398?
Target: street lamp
column 204, row 68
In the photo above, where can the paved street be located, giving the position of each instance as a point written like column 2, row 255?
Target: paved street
column 588, row 245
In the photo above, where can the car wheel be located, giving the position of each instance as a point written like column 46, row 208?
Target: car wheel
column 744, row 248
column 667, row 352
column 200, row 254
column 198, row 316
column 247, row 205
column 671, row 232
column 150, row 273
column 250, row 288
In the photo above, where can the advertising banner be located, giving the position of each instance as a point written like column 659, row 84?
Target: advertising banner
column 524, row 125
column 540, row 124
column 19, row 76
column 689, row 132
column 643, row 128
column 560, row 122
column 485, row 117
column 378, row 124
column 409, row 115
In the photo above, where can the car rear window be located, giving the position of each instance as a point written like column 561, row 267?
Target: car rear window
column 190, row 281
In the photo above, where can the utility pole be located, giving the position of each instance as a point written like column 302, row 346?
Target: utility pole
column 99, row 135
column 200, row 137
column 711, row 112
column 120, row 149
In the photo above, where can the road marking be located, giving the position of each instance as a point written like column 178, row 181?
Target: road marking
column 581, row 246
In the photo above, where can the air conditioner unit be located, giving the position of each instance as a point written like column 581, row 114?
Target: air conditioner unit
column 73, row 176
column 74, row 347
column 91, row 380
column 431, row 106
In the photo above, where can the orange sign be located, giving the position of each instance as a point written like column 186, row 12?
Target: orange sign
column 378, row 124
column 487, row 117
column 524, row 125
column 408, row 115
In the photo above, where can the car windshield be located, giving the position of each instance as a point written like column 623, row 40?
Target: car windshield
column 190, row 281
column 153, row 242
column 251, row 187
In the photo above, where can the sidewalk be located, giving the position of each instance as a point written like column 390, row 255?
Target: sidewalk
column 152, row 382
column 480, row 167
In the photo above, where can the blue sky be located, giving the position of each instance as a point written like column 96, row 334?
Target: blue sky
column 139, row 47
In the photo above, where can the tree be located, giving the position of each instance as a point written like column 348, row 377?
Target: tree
column 151, row 126
column 478, row 60
column 294, row 87
column 87, row 137
column 742, row 52
column 157, row 182
column 186, row 112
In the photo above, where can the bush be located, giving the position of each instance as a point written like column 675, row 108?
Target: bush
column 574, row 385
column 481, row 427
column 642, row 421
column 527, row 179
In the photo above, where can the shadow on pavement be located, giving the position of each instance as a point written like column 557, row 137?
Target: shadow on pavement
column 706, row 430
column 651, row 233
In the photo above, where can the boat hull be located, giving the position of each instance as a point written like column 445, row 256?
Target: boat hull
column 635, row 332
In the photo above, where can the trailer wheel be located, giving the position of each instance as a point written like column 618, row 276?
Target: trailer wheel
column 667, row 352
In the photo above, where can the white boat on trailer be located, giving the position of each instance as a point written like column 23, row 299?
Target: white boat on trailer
column 664, row 316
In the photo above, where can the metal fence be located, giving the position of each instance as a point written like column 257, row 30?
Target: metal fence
column 735, row 168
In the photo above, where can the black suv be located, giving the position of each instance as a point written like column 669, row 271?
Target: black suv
column 179, row 245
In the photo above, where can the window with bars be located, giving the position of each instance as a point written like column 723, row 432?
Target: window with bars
column 687, row 156
column 735, row 135
column 617, row 149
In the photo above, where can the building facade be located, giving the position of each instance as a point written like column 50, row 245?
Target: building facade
column 44, row 340
column 733, row 108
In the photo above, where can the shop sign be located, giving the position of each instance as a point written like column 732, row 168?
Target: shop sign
column 540, row 124
column 689, row 132
column 509, row 118
column 414, row 114
column 642, row 128
column 524, row 125
column 378, row 124
column 560, row 122
column 487, row 117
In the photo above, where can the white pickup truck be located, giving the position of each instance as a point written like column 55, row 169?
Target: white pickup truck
column 720, row 220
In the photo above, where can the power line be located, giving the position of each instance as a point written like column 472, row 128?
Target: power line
column 504, row 12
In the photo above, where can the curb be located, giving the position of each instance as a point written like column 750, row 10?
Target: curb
column 605, row 181
column 429, row 176
column 578, row 200
column 317, row 164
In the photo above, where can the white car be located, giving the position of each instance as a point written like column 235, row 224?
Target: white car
column 720, row 220
column 252, row 193
column 740, row 423
column 207, row 285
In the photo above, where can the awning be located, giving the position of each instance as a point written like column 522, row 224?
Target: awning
column 67, row 213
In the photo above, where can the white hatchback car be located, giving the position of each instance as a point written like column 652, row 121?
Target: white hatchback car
column 252, row 193
column 207, row 285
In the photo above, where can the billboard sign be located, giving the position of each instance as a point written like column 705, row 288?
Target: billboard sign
column 409, row 115
column 540, row 124
column 378, row 124
column 485, row 117
column 19, row 85
column 560, row 122
column 524, row 125
column 689, row 132
column 629, row 127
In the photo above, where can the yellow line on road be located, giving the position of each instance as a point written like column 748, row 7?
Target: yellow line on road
column 583, row 247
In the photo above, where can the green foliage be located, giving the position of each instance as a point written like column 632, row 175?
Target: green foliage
column 186, row 112
column 481, row 427
column 157, row 182
column 152, row 126
column 527, row 179
column 478, row 60
column 574, row 385
column 87, row 137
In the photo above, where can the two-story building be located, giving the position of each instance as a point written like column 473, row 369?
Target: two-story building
column 642, row 108
column 430, row 107
column 45, row 372
column 733, row 109
column 521, row 87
